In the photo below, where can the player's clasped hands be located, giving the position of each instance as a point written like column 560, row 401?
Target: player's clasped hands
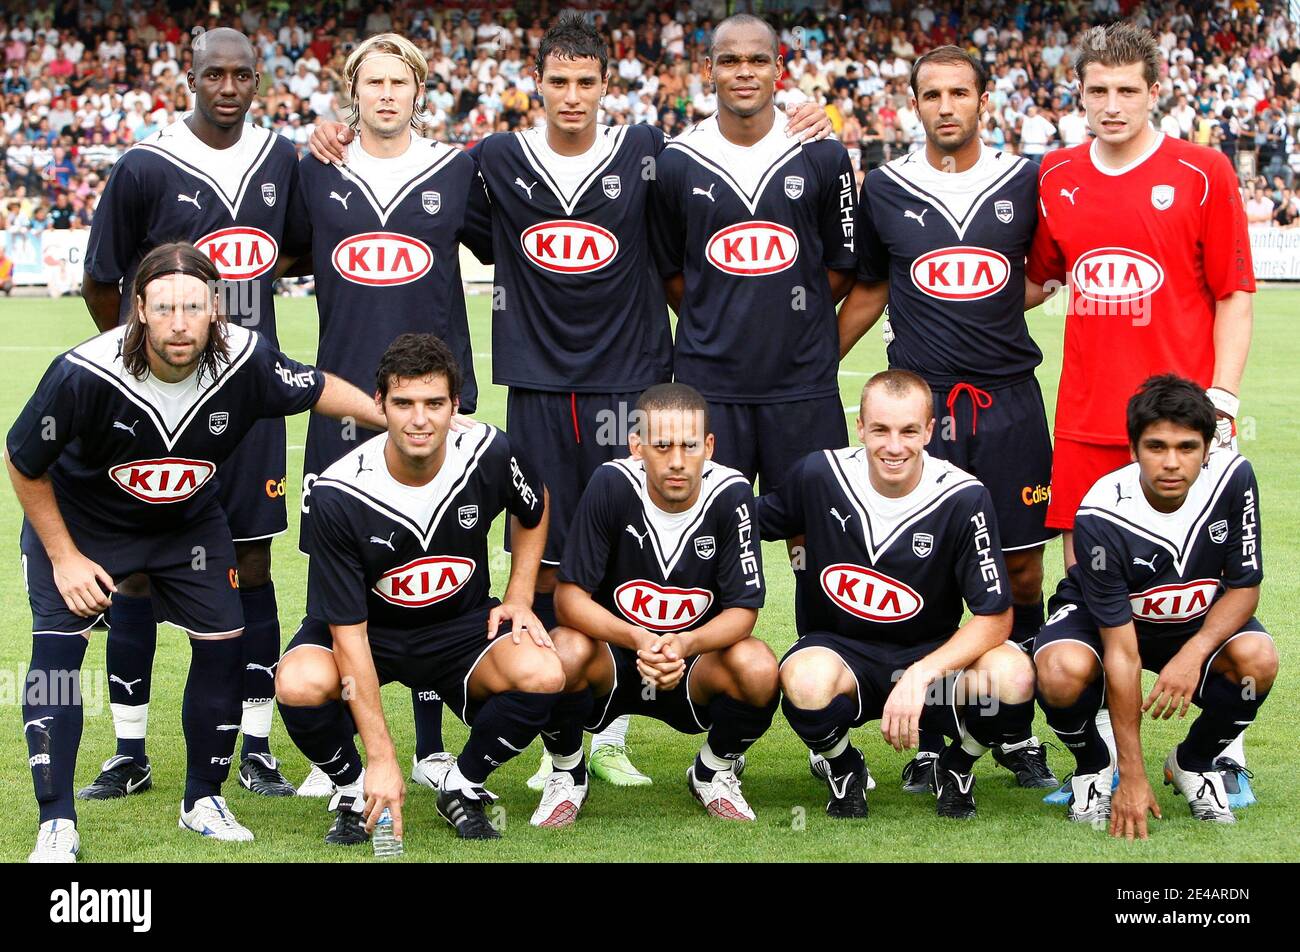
column 384, row 788
column 522, row 622
column 1129, row 806
column 1175, row 686
column 662, row 661
column 84, row 585
column 900, row 722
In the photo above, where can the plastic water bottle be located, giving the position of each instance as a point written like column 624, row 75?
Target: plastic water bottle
column 383, row 840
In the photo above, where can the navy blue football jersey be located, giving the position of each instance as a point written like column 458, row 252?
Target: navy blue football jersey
column 888, row 570
column 126, row 454
column 753, row 231
column 581, row 306
column 231, row 203
column 952, row 246
column 1163, row 571
column 410, row 558
column 659, row 570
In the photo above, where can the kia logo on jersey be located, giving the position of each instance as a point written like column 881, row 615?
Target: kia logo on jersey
column 1116, row 274
column 569, row 247
column 752, row 248
column 661, row 608
column 1181, row 601
column 240, row 253
column 162, row 480
column 425, row 581
column 870, row 595
column 961, row 273
column 382, row 259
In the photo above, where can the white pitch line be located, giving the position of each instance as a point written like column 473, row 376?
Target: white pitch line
column 852, row 373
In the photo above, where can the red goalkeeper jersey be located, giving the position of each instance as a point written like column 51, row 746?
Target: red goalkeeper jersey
column 1146, row 251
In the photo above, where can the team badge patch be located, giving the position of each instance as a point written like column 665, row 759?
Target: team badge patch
column 1162, row 196
column 268, row 193
column 467, row 516
column 432, row 201
column 1218, row 531
column 217, row 422
column 705, row 547
column 793, row 186
column 922, row 544
column 612, row 185
column 1004, row 210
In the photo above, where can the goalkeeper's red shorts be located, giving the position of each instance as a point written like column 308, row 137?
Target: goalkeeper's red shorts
column 1076, row 467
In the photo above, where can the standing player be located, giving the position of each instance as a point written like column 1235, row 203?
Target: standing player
column 579, row 326
column 896, row 540
column 113, row 462
column 660, row 588
column 1166, row 287
column 1168, row 581
column 399, row 590
column 383, row 234
column 942, row 236
column 225, row 185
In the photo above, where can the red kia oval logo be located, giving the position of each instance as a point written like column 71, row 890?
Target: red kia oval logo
column 752, row 248
column 660, row 608
column 961, row 273
column 425, row 581
column 870, row 595
column 382, row 259
column 162, row 480
column 1116, row 274
column 1179, row 602
column 569, row 247
column 240, row 253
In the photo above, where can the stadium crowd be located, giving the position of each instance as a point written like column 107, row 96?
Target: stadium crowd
column 83, row 81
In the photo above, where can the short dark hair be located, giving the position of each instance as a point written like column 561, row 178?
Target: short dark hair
column 951, row 54
column 674, row 396
column 897, row 383
column 1169, row 397
column 572, row 38
column 414, row 357
column 1119, row 44
column 744, row 19
column 177, row 257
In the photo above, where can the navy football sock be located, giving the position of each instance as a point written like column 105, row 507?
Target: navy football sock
column 736, row 726
column 427, row 708
column 1227, row 709
column 503, row 728
column 823, row 729
column 1026, row 620
column 957, row 758
column 261, row 645
column 847, row 762
column 931, row 742
column 52, row 720
column 210, row 714
column 562, row 733
column 128, row 655
column 1076, row 726
column 324, row 734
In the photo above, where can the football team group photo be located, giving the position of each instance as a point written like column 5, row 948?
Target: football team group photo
column 641, row 433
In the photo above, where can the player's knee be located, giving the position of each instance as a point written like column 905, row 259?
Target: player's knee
column 537, row 671
column 301, row 681
column 134, row 586
column 809, row 681
column 254, row 562
column 1063, row 673
column 574, row 649
column 1253, row 660
column 1013, row 677
column 754, row 669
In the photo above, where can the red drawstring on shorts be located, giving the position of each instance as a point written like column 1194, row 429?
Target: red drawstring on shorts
column 573, row 408
column 979, row 399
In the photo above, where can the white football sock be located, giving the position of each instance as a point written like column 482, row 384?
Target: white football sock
column 615, row 735
column 130, row 721
column 1237, row 749
column 256, row 719
column 713, row 761
column 1107, row 733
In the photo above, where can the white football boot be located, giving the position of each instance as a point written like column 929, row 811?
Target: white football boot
column 1205, row 792
column 562, row 798
column 213, row 818
column 721, row 796
column 432, row 770
column 57, row 841
column 317, row 784
column 1090, row 796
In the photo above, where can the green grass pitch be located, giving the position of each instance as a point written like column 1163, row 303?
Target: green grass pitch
column 661, row 822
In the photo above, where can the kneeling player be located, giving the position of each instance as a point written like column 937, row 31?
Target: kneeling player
column 1167, row 578
column 398, row 590
column 895, row 539
column 660, row 586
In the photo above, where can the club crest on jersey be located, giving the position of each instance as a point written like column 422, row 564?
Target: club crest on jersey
column 793, row 186
column 870, row 595
column 564, row 246
column 217, row 422
column 1110, row 275
column 922, row 544
column 1218, row 531
column 431, row 202
column 382, row 259
column 660, row 607
column 1181, row 601
column 162, row 480
column 751, row 248
column 705, row 547
column 612, row 185
column 1004, row 210
column 239, row 253
column 425, row 581
column 467, row 516
column 1162, row 196
column 961, row 273
column 268, row 194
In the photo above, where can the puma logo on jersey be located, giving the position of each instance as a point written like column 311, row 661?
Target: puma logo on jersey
column 193, row 201
column 843, row 520
column 341, row 199
column 1070, row 193
column 39, row 723
column 707, row 193
column 1149, row 563
column 119, row 425
column 526, row 188
column 1119, row 494
column 920, row 219
column 254, row 666
column 640, row 536
column 362, row 467
column 126, row 684
column 388, row 542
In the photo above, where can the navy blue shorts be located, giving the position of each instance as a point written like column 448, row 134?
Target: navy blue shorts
column 876, row 667
column 765, row 440
column 1071, row 621
column 631, row 695
column 192, row 575
column 1001, row 438
column 251, row 483
column 566, row 436
column 441, row 659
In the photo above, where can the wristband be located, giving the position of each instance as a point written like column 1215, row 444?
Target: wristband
column 1225, row 402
